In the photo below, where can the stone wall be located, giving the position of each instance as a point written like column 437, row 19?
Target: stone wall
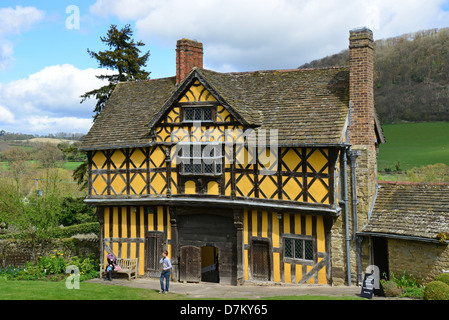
column 75, row 246
column 424, row 260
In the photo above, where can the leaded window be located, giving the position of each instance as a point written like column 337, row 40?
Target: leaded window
column 200, row 158
column 298, row 248
column 198, row 114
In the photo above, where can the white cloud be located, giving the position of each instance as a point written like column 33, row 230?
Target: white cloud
column 49, row 101
column 265, row 34
column 13, row 21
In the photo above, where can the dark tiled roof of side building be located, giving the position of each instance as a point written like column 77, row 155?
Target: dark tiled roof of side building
column 306, row 106
column 410, row 210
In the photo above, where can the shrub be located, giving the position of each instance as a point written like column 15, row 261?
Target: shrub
column 436, row 290
column 391, row 289
column 443, row 277
column 52, row 263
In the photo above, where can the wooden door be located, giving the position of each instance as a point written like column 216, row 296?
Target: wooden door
column 154, row 244
column 261, row 268
column 190, row 264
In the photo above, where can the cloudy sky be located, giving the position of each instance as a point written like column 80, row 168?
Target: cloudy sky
column 44, row 65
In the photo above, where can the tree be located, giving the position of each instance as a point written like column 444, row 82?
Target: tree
column 122, row 56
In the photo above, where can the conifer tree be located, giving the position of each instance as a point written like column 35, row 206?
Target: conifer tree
column 123, row 56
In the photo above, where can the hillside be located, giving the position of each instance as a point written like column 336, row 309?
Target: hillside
column 411, row 76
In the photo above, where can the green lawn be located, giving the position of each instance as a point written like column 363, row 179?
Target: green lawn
column 414, row 145
column 49, row 290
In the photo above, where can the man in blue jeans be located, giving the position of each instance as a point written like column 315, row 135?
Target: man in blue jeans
column 166, row 266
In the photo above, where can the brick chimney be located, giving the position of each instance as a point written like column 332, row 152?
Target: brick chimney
column 361, row 51
column 189, row 54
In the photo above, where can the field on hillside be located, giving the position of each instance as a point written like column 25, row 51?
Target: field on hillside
column 413, row 145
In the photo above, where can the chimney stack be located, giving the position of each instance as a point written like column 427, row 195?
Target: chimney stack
column 361, row 77
column 189, row 54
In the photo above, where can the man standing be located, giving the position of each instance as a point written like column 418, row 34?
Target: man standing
column 166, row 266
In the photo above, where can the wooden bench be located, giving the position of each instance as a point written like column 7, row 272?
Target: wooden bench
column 128, row 266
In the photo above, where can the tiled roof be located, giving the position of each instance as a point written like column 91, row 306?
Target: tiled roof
column 307, row 106
column 411, row 210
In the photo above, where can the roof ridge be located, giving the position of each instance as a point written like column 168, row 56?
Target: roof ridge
column 414, row 183
column 275, row 70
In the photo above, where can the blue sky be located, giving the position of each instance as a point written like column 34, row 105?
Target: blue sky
column 45, row 67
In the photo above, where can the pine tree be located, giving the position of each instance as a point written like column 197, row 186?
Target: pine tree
column 122, row 56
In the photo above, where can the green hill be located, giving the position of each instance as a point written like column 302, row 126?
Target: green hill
column 413, row 145
column 411, row 76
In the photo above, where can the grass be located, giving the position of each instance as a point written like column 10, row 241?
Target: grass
column 414, row 145
column 48, row 290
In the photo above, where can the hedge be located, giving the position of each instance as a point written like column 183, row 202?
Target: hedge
column 64, row 232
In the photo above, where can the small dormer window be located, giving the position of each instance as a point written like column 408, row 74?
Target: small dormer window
column 198, row 114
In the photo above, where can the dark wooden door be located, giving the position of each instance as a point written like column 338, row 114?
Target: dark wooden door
column 261, row 268
column 190, row 264
column 154, row 244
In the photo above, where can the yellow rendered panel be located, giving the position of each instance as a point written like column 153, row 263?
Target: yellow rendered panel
column 268, row 187
column 174, row 189
column 133, row 250
column 124, row 225
column 133, row 223
column 151, row 222
column 114, row 223
column 287, row 273
column 158, row 182
column 309, row 225
column 99, row 160
column 312, row 279
column 223, row 115
column 286, row 223
column 264, row 224
column 138, row 159
column 138, row 183
column 157, row 158
column 291, row 160
column 254, row 223
column 275, row 230
column 320, row 234
column 212, row 188
column 246, row 266
column 168, row 228
column 118, row 159
column 190, row 187
column 142, row 224
column 298, row 273
column 245, row 226
column 297, row 223
column 118, row 184
column 317, row 160
column 322, row 279
column 228, row 179
column 99, row 184
column 141, row 260
column 244, row 185
column 276, row 267
column 160, row 218
column 291, row 188
column 318, row 190
column 106, row 222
